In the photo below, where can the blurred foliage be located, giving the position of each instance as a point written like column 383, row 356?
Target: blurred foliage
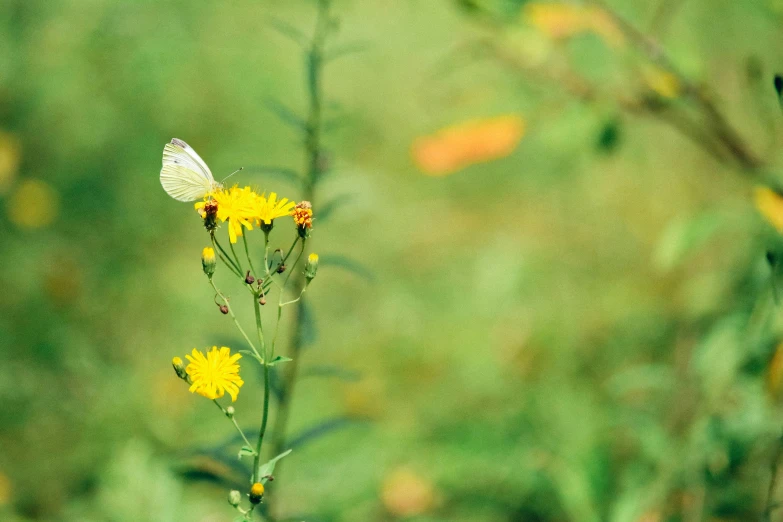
column 582, row 330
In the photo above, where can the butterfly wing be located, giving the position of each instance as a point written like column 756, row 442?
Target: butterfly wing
column 185, row 176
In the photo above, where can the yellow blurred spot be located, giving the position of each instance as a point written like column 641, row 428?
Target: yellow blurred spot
column 662, row 82
column 10, row 150
column 775, row 371
column 770, row 204
column 5, row 489
column 467, row 143
column 34, row 204
column 406, row 494
column 560, row 21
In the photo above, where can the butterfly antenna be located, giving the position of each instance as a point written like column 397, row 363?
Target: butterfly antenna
column 238, row 170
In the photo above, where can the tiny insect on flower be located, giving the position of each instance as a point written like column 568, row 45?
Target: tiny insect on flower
column 256, row 493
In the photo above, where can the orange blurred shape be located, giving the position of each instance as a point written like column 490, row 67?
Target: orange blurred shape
column 10, row 151
column 5, row 489
column 775, row 371
column 770, row 204
column 407, row 494
column 559, row 21
column 34, row 204
column 475, row 141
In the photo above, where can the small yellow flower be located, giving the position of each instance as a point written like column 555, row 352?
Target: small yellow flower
column 179, row 367
column 214, row 374
column 235, row 205
column 267, row 209
column 256, row 493
column 311, row 267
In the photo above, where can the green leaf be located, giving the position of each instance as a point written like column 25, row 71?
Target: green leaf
column 279, row 359
column 348, row 264
column 345, row 50
column 246, row 451
column 269, row 467
column 289, row 31
column 285, row 114
column 332, row 371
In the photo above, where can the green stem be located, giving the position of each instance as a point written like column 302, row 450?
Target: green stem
column 766, row 516
column 247, row 253
column 236, row 258
column 265, row 414
column 225, row 257
column 234, row 421
column 234, row 317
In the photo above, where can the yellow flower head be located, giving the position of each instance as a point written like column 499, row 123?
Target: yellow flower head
column 303, row 214
column 256, row 493
column 235, row 205
column 267, row 209
column 214, row 374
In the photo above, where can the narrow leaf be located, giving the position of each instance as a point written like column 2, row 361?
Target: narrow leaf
column 251, row 354
column 345, row 50
column 331, row 371
column 279, row 359
column 269, row 467
column 288, row 31
column 348, row 264
column 321, row 429
column 245, row 452
column 285, row 114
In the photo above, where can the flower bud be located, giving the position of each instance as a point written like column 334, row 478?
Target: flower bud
column 230, row 412
column 208, row 261
column 256, row 493
column 262, row 301
column 234, row 497
column 281, row 269
column 311, row 267
column 179, row 367
column 208, row 212
column 303, row 218
column 249, row 279
column 223, row 309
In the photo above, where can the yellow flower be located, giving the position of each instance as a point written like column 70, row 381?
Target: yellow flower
column 214, row 374
column 467, row 143
column 770, row 204
column 256, row 493
column 235, row 205
column 208, row 261
column 267, row 209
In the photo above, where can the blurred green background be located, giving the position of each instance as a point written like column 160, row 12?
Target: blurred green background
column 580, row 331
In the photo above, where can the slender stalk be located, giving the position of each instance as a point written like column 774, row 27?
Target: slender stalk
column 234, row 317
column 247, row 253
column 265, row 414
column 313, row 158
column 234, row 421
column 225, row 257
column 236, row 257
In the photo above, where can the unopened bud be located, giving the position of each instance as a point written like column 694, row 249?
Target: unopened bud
column 256, row 493
column 249, row 279
column 311, row 267
column 223, row 309
column 179, row 367
column 281, row 269
column 208, row 261
column 230, row 412
column 234, row 497
column 262, row 301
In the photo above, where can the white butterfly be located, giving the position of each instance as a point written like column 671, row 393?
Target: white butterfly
column 185, row 176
